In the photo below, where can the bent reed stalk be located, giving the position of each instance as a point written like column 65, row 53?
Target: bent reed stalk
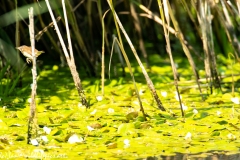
column 70, row 58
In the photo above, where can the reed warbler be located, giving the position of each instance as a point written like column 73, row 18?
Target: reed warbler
column 27, row 52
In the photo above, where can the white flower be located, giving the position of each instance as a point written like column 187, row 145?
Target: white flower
column 136, row 102
column 34, row 142
column 188, row 136
column 39, row 151
column 231, row 136
column 126, row 143
column 90, row 128
column 195, row 111
column 74, row 139
column 44, row 138
column 164, row 94
column 176, row 96
column 10, row 142
column 93, row 112
column 184, row 107
column 141, row 92
column 110, row 110
column 80, row 104
column 29, row 100
column 219, row 113
column 46, row 130
column 99, row 98
column 235, row 100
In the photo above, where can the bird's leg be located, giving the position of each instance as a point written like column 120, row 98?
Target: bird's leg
column 28, row 60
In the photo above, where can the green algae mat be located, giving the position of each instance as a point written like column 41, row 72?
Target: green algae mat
column 114, row 127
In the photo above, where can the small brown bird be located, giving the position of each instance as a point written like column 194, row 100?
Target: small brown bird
column 27, row 52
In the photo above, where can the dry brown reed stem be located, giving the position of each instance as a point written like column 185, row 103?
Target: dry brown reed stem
column 148, row 80
column 163, row 7
column 77, row 32
column 154, row 17
column 181, row 38
column 131, row 73
column 68, row 33
column 76, row 7
column 51, row 38
column 105, row 40
column 32, row 122
column 103, row 46
column 190, row 14
column 120, row 44
column 205, row 22
column 229, row 25
column 71, row 64
column 137, row 26
column 80, row 41
column 70, row 59
column 178, row 34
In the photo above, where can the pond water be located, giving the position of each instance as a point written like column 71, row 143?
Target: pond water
column 114, row 127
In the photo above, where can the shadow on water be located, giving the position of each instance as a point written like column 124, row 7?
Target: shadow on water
column 200, row 156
